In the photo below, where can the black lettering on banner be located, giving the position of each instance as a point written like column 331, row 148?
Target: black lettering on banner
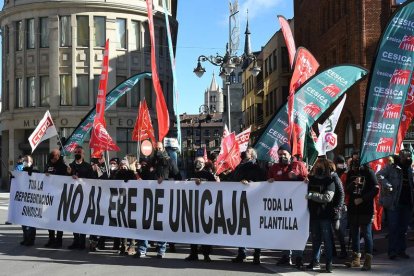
column 219, row 218
column 159, row 193
column 112, row 206
column 206, row 225
column 65, row 201
column 174, row 224
column 244, row 220
column 78, row 193
column 91, row 210
column 186, row 215
column 120, row 208
column 132, row 207
column 232, row 226
column 99, row 218
column 196, row 211
column 147, row 203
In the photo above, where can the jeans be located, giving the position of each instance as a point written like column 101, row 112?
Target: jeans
column 398, row 221
column 143, row 245
column 321, row 230
column 365, row 231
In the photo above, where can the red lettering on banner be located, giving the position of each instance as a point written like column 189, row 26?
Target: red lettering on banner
column 407, row 43
column 392, row 111
column 400, row 77
column 332, row 90
column 312, row 109
column 385, row 144
column 42, row 130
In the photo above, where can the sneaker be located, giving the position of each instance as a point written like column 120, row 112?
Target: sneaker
column 285, row 260
column 328, row 268
column 404, row 255
column 160, row 255
column 238, row 259
column 313, row 266
column 140, row 255
column 192, row 257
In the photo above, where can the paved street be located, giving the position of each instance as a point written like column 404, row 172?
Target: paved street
column 37, row 260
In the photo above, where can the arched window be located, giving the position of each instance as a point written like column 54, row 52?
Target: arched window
column 349, row 139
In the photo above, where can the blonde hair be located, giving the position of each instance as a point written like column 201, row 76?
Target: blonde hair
column 131, row 161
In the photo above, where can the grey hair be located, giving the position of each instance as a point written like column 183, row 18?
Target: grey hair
column 253, row 152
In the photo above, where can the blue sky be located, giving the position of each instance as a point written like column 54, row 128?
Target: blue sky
column 203, row 29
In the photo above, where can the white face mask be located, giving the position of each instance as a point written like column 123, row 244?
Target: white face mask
column 27, row 164
column 114, row 167
column 341, row 166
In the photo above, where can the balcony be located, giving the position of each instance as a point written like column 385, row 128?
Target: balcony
column 259, row 87
column 259, row 121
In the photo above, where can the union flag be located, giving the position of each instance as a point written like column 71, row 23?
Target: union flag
column 143, row 129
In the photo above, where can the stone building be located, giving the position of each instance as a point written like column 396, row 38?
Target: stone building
column 52, row 54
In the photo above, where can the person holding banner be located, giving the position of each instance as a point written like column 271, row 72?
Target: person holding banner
column 248, row 171
column 55, row 166
column 397, row 198
column 79, row 169
column 361, row 189
column 288, row 170
column 201, row 174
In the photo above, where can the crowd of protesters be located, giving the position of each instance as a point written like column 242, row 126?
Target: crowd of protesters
column 340, row 196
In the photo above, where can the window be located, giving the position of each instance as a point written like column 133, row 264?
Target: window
column 7, row 39
column 285, row 60
column 148, row 92
column 121, row 33
column 147, row 41
column 134, row 35
column 135, row 95
column 206, row 132
column 44, row 32
column 30, row 31
column 65, row 31
column 82, row 90
column 122, row 102
column 65, row 90
column 19, row 93
column 124, row 141
column 96, row 79
column 44, row 91
column 82, row 31
column 19, row 36
column 5, row 96
column 274, row 60
column 349, row 139
column 99, row 31
column 31, row 92
column 216, row 132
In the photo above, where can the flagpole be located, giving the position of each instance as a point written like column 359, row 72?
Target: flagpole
column 63, row 146
column 108, row 171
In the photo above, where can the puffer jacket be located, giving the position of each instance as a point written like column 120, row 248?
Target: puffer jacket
column 390, row 179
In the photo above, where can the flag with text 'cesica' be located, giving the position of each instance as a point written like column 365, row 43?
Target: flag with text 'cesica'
column 388, row 85
column 311, row 100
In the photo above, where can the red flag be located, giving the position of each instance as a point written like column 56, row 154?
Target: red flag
column 408, row 114
column 205, row 154
column 143, row 129
column 225, row 131
column 287, row 34
column 229, row 156
column 162, row 110
column 376, row 166
column 97, row 153
column 100, row 139
column 305, row 67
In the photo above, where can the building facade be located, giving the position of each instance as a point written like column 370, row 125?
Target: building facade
column 52, row 60
column 343, row 31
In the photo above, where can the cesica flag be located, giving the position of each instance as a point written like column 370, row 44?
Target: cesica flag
column 258, row 215
column 388, row 86
column 44, row 130
column 311, row 101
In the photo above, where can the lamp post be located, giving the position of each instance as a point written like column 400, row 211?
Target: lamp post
column 227, row 64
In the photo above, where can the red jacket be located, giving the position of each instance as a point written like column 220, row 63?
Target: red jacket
column 280, row 172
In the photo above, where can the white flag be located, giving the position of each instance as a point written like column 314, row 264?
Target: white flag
column 327, row 139
column 243, row 139
column 44, row 130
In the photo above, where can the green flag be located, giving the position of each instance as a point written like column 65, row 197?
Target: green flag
column 309, row 152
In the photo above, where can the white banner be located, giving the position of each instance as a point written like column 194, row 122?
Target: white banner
column 258, row 215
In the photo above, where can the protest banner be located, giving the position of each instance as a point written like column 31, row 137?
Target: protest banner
column 258, row 215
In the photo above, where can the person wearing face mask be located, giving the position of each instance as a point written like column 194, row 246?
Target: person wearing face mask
column 396, row 197
column 55, row 166
column 29, row 232
column 361, row 189
column 248, row 171
column 321, row 191
column 201, row 174
column 80, row 169
column 113, row 166
column 288, row 170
